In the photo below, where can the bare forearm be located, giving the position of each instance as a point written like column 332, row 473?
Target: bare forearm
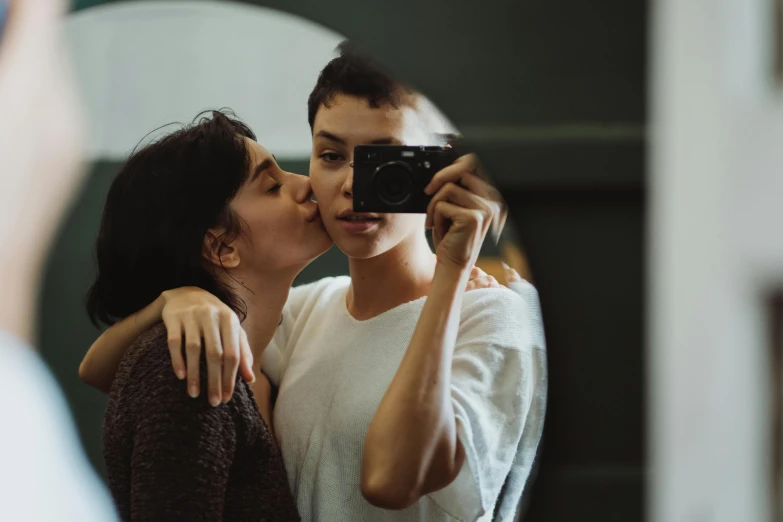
column 103, row 358
column 411, row 445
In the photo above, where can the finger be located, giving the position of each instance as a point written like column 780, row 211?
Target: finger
column 229, row 335
column 485, row 192
column 446, row 213
column 214, row 355
column 193, row 354
column 175, row 333
column 512, row 276
column 440, row 223
column 246, row 362
column 460, row 197
column 463, row 171
column 486, row 281
column 477, row 186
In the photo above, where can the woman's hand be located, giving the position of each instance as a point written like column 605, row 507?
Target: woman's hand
column 479, row 279
column 512, row 276
column 463, row 209
column 193, row 316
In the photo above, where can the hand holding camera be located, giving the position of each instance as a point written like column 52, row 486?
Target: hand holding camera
column 463, row 208
column 461, row 205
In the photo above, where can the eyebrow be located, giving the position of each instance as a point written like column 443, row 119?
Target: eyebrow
column 261, row 167
column 380, row 141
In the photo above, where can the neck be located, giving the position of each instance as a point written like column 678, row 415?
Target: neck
column 397, row 276
column 265, row 295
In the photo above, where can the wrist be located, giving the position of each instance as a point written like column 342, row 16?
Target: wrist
column 449, row 282
column 449, row 271
column 155, row 310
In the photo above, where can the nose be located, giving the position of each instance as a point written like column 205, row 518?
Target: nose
column 347, row 187
column 302, row 189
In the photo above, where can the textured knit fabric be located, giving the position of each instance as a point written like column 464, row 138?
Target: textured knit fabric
column 44, row 475
column 172, row 458
column 514, row 487
column 333, row 371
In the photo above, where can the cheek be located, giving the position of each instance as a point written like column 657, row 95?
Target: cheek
column 321, row 189
column 269, row 224
column 405, row 224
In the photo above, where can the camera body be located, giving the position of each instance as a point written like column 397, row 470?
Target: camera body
column 391, row 178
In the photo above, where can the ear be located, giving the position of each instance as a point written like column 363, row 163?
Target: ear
column 219, row 253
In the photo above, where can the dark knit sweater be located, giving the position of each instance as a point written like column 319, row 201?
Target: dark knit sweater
column 173, row 458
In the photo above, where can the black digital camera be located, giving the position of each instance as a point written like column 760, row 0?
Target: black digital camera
column 391, row 178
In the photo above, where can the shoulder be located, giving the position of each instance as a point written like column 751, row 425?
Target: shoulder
column 145, row 373
column 149, row 391
column 492, row 299
column 148, row 353
column 501, row 316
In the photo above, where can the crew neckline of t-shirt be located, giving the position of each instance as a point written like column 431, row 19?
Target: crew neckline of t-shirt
column 387, row 313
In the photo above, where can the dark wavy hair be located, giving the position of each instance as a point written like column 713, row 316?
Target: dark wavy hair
column 354, row 74
column 165, row 198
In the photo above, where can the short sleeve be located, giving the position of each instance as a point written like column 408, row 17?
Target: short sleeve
column 495, row 377
column 275, row 356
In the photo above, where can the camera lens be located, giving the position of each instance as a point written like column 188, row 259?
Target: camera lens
column 394, row 183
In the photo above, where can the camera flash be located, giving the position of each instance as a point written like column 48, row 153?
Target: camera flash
column 408, row 154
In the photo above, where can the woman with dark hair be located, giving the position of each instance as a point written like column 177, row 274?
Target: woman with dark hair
column 204, row 207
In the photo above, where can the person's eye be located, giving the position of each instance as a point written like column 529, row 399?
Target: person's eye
column 331, row 157
column 275, row 188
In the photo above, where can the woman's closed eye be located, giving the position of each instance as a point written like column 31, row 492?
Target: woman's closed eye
column 274, row 188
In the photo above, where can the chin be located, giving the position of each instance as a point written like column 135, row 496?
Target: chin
column 359, row 248
column 319, row 245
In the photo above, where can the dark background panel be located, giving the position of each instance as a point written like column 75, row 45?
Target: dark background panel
column 583, row 165
column 532, row 62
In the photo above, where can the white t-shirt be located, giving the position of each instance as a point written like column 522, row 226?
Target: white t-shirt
column 44, row 476
column 333, row 371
